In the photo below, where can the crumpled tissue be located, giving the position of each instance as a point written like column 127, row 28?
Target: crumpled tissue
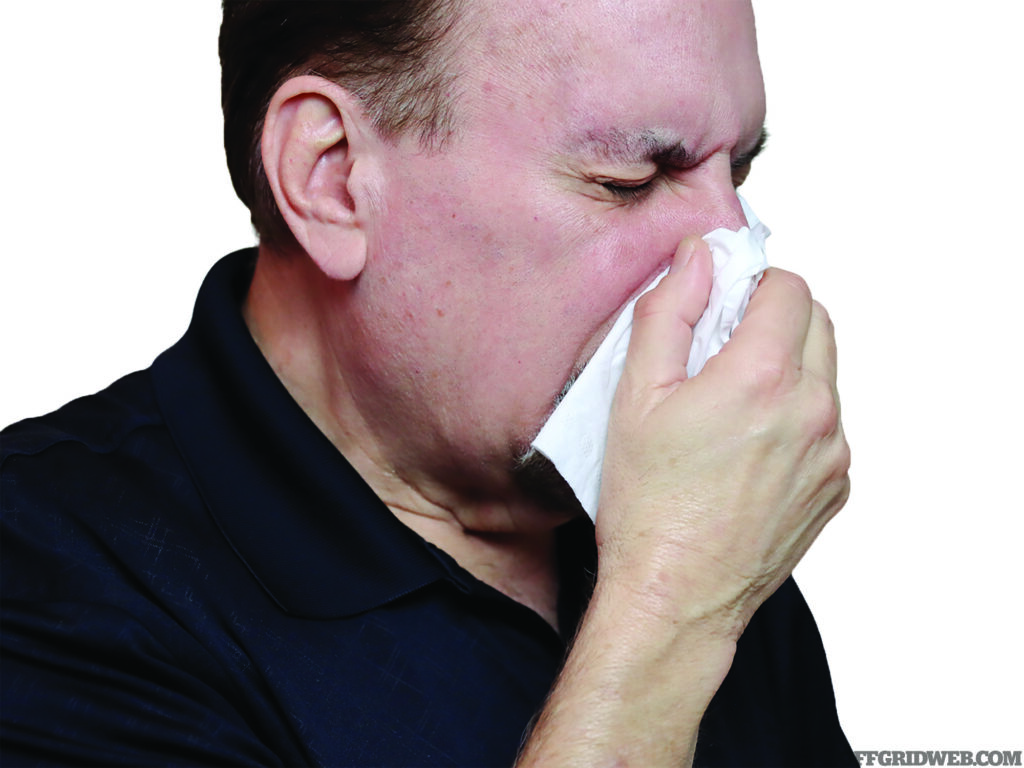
column 573, row 437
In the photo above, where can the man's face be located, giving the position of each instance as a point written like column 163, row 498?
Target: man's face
column 593, row 135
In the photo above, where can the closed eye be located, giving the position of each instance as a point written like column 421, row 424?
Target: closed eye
column 740, row 173
column 629, row 191
column 741, row 165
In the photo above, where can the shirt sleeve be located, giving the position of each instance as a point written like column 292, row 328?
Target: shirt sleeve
column 94, row 667
column 88, row 684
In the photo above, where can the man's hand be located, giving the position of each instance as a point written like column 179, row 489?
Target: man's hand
column 712, row 490
column 721, row 482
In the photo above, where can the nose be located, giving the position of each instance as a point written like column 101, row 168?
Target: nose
column 721, row 207
column 707, row 197
column 713, row 194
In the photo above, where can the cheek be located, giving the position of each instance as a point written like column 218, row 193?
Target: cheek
column 618, row 258
column 531, row 278
column 620, row 254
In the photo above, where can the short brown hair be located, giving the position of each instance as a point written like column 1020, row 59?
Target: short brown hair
column 385, row 52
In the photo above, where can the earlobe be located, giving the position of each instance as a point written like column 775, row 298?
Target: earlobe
column 311, row 142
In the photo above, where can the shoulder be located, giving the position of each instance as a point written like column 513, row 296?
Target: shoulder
column 80, row 460
column 83, row 485
column 101, row 603
column 96, row 423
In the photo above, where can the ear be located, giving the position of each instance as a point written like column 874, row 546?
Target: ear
column 313, row 140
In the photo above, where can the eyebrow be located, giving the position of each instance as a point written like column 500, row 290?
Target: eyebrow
column 650, row 146
column 644, row 146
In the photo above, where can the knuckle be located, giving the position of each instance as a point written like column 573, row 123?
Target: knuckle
column 843, row 495
column 821, row 314
column 797, row 284
column 844, row 460
column 840, row 457
column 769, row 377
column 647, row 305
column 820, row 410
column 839, row 498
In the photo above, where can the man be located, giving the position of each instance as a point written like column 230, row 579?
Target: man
column 308, row 533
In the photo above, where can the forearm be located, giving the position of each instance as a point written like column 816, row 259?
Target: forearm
column 634, row 688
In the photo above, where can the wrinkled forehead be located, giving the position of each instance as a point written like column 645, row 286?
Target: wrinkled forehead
column 604, row 64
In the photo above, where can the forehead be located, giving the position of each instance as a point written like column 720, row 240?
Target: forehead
column 617, row 76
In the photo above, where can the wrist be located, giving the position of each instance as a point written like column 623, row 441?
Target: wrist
column 634, row 687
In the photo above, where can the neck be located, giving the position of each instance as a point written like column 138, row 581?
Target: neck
column 504, row 539
column 521, row 566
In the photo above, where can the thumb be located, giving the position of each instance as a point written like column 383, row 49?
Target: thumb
column 663, row 319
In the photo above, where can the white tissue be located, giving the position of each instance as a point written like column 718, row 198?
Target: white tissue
column 574, row 435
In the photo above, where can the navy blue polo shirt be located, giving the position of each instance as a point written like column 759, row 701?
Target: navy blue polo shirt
column 192, row 574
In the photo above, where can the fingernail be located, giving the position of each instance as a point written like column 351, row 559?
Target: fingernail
column 686, row 250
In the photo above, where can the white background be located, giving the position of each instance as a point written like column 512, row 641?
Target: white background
column 892, row 183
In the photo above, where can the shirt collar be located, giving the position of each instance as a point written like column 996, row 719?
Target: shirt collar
column 307, row 526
